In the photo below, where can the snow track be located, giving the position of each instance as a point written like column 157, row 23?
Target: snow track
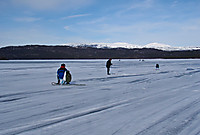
column 48, row 122
column 179, row 119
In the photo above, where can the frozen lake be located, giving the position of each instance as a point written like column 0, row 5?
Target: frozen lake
column 136, row 99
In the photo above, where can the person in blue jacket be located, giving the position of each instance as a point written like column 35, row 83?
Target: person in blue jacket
column 60, row 72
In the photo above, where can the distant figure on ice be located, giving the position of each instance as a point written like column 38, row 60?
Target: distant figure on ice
column 108, row 64
column 157, row 66
column 61, row 72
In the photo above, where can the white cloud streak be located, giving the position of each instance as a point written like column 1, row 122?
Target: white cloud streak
column 142, row 5
column 174, row 4
column 27, row 19
column 139, row 5
column 66, row 27
column 52, row 4
column 76, row 16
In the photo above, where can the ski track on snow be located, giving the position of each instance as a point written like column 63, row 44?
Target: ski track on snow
column 178, row 128
column 56, row 120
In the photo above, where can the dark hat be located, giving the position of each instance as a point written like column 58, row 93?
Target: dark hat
column 63, row 65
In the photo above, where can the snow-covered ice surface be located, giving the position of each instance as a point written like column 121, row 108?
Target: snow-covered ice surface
column 136, row 99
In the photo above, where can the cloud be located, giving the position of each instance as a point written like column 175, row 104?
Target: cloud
column 174, row 4
column 66, row 27
column 52, row 4
column 143, row 5
column 128, row 8
column 191, row 25
column 19, row 36
column 26, row 19
column 76, row 16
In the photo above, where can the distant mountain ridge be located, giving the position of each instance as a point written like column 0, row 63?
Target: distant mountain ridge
column 97, row 51
column 158, row 46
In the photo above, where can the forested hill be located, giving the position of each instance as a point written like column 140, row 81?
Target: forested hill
column 86, row 52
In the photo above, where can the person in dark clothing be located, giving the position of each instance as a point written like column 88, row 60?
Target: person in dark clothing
column 157, row 66
column 108, row 64
column 61, row 72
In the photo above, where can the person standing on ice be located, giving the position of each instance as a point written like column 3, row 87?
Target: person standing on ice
column 108, row 64
column 61, row 72
column 157, row 66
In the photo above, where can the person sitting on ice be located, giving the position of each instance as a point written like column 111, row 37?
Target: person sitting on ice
column 60, row 73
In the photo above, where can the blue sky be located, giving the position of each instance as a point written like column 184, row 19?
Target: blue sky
column 172, row 22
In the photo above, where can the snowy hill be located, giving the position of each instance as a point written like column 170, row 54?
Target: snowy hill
column 136, row 99
column 132, row 46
